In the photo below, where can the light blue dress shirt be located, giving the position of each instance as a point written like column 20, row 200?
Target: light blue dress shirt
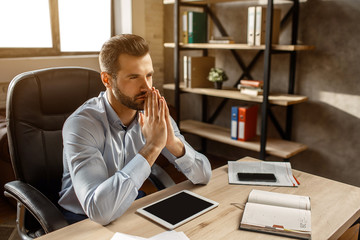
column 102, row 168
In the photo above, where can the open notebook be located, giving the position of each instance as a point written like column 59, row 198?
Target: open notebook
column 277, row 213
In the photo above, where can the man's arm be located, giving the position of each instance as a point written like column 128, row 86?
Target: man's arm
column 195, row 166
column 103, row 198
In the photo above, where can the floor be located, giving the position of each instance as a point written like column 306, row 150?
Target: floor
column 7, row 220
column 8, row 210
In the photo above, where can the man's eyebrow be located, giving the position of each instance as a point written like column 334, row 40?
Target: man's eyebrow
column 137, row 75
column 132, row 75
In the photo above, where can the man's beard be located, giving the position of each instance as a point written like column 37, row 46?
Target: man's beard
column 128, row 101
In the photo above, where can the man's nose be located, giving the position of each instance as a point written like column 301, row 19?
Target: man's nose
column 147, row 84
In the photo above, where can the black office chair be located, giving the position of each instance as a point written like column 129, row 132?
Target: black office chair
column 38, row 104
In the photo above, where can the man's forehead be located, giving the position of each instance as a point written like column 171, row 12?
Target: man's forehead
column 135, row 65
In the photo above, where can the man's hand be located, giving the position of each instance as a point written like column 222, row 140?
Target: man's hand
column 173, row 143
column 153, row 126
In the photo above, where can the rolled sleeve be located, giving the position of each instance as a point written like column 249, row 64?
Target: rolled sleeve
column 194, row 165
column 138, row 169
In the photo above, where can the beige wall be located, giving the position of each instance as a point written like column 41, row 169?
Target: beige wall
column 329, row 123
column 10, row 67
column 148, row 23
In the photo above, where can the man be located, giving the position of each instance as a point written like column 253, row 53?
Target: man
column 111, row 141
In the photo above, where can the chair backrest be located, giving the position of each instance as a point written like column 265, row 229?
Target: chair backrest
column 38, row 104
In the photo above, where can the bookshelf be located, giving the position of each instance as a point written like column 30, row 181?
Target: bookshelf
column 220, row 1
column 283, row 147
column 238, row 46
column 275, row 147
column 280, row 99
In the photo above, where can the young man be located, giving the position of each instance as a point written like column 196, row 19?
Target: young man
column 111, row 141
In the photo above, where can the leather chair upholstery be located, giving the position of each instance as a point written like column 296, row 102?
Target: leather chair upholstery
column 38, row 104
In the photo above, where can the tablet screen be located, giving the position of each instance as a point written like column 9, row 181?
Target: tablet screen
column 177, row 209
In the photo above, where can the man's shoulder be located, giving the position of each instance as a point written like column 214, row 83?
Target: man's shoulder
column 93, row 110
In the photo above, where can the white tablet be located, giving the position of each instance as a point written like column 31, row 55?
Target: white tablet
column 177, row 209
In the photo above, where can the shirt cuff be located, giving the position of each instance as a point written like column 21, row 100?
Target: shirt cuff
column 138, row 169
column 187, row 160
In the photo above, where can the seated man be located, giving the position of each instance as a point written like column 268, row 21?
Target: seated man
column 111, row 141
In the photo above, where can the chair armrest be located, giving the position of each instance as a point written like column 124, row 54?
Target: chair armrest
column 48, row 215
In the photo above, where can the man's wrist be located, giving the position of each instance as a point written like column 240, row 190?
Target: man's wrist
column 176, row 147
column 150, row 153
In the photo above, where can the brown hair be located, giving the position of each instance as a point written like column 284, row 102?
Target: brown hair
column 120, row 44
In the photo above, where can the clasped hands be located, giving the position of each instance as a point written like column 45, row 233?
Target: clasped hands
column 156, row 127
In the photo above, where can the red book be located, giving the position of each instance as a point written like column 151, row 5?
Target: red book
column 252, row 83
column 247, row 122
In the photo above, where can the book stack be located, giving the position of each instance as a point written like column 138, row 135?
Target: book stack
column 257, row 26
column 194, row 27
column 251, row 87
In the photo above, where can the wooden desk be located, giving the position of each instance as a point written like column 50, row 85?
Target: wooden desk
column 334, row 207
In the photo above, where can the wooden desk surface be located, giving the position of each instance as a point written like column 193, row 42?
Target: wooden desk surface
column 335, row 207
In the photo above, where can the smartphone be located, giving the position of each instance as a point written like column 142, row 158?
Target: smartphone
column 257, row 177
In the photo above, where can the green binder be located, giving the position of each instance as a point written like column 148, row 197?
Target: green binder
column 197, row 27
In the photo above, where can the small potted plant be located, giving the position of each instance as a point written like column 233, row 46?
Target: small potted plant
column 218, row 76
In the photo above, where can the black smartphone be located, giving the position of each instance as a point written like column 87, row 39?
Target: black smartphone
column 257, row 177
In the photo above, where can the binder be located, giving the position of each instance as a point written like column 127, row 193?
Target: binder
column 247, row 122
column 234, row 122
column 260, row 25
column 197, row 27
column 251, row 26
column 185, row 27
column 198, row 71
column 185, row 71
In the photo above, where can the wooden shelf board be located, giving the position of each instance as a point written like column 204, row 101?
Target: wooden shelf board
column 239, row 46
column 275, row 147
column 276, row 99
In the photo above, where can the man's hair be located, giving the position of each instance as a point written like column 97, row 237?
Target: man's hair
column 120, row 44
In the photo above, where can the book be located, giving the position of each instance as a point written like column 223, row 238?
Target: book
column 234, row 122
column 277, row 213
column 247, row 122
column 260, row 25
column 251, row 91
column 184, row 27
column 224, row 39
column 197, row 27
column 281, row 170
column 198, row 70
column 251, row 26
column 221, row 41
column 185, row 70
column 253, row 83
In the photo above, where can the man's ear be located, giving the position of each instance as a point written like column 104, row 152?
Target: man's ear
column 106, row 79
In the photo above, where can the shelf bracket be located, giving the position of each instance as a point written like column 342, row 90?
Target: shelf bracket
column 267, row 66
column 291, row 87
column 224, row 101
column 276, row 124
